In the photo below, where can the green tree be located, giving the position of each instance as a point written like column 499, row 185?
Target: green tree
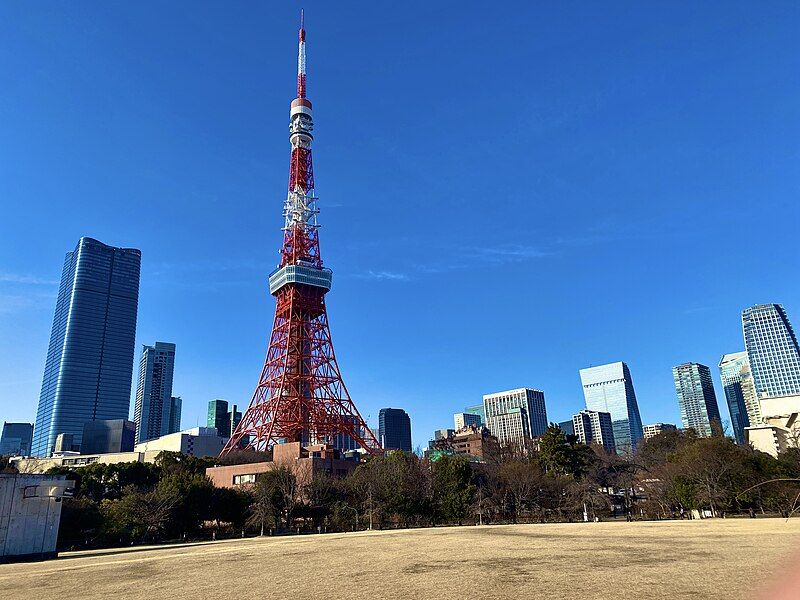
column 557, row 456
column 452, row 487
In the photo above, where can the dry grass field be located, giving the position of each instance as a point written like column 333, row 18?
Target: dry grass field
column 687, row 559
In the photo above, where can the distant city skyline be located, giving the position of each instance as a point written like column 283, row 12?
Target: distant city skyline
column 138, row 132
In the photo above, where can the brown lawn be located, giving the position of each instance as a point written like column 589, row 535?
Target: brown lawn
column 686, row 559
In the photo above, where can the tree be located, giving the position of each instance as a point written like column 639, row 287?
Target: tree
column 81, row 523
column 229, row 505
column 452, row 488
column 139, row 516
column 522, row 487
column 266, row 504
column 558, row 456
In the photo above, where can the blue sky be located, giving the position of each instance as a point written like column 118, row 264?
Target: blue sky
column 509, row 192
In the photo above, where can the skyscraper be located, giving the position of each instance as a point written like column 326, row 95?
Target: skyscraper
column 394, row 429
column 740, row 393
column 594, row 427
column 509, row 424
column 153, row 412
column 89, row 364
column 609, row 388
column 696, row 398
column 16, row 439
column 218, row 417
column 175, row 407
column 772, row 350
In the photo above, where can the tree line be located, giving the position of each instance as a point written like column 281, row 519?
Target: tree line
column 671, row 475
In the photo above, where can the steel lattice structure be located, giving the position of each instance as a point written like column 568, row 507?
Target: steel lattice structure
column 300, row 396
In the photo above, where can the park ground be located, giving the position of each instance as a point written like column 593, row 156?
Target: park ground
column 721, row 558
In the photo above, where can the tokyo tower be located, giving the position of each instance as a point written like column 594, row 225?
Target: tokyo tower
column 300, row 396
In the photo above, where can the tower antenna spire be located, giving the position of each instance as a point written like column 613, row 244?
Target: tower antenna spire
column 301, row 57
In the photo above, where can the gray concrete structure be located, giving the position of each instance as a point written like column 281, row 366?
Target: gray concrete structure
column 30, row 513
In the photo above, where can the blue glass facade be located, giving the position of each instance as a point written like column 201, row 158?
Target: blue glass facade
column 89, row 363
column 697, row 399
column 16, row 439
column 772, row 350
column 733, row 369
column 609, row 388
column 394, row 429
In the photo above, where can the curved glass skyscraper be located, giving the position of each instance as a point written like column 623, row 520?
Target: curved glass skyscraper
column 87, row 374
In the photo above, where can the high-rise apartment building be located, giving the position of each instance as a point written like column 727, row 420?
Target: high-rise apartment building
column 654, row 429
column 16, row 439
column 594, row 427
column 154, row 404
column 394, row 429
column 609, row 388
column 87, row 374
column 464, row 419
column 772, row 350
column 697, row 400
column 740, row 393
column 515, row 416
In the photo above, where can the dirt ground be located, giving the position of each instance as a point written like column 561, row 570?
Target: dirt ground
column 729, row 558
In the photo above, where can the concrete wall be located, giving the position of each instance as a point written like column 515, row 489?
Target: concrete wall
column 30, row 513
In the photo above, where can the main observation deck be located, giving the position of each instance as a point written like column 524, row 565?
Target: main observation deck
column 299, row 274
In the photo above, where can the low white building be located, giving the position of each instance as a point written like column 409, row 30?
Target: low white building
column 198, row 441
column 30, row 513
column 654, row 429
column 780, row 425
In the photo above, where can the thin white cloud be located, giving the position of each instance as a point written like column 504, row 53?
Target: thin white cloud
column 26, row 279
column 509, row 253
column 384, row 276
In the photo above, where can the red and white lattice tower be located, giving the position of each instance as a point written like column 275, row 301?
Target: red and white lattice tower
column 300, row 396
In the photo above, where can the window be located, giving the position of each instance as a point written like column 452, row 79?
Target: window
column 242, row 479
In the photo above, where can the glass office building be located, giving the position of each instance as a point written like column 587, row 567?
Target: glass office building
column 87, row 374
column 154, row 404
column 740, row 393
column 109, row 436
column 772, row 350
column 515, row 416
column 394, row 429
column 609, row 388
column 697, row 399
column 16, row 439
